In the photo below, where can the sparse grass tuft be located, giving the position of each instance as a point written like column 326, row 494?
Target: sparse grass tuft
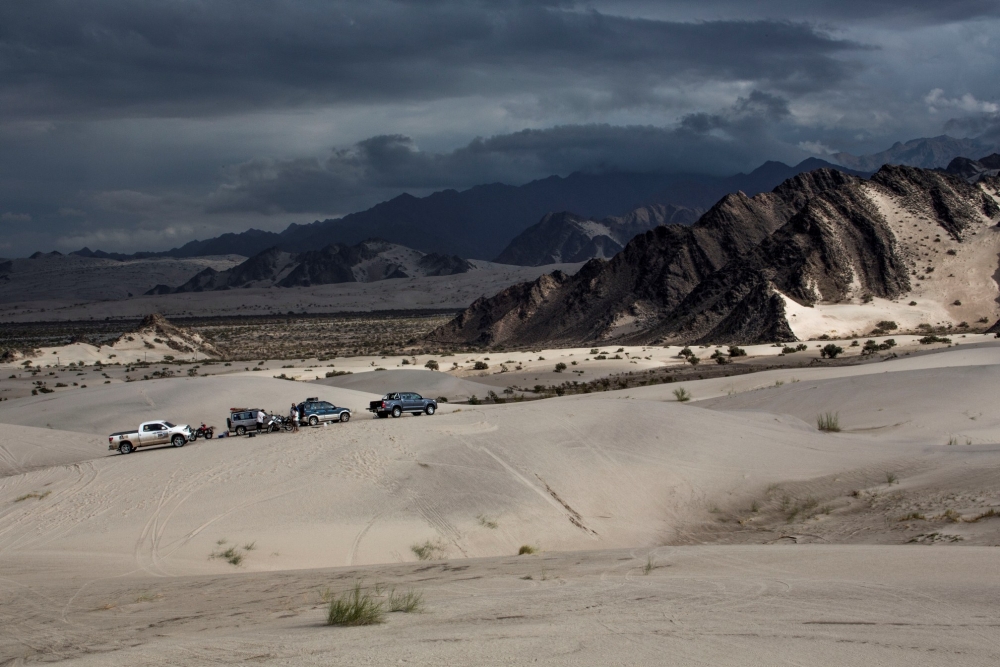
column 952, row 441
column 26, row 496
column 891, row 478
column 487, row 522
column 682, row 394
column 913, row 516
column 526, row 549
column 988, row 514
column 249, row 546
column 355, row 607
column 828, row 422
column 428, row 550
column 648, row 567
column 408, row 602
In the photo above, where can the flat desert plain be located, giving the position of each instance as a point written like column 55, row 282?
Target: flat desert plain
column 723, row 530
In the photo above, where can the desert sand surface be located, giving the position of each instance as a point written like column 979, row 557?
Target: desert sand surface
column 424, row 382
column 725, row 530
column 427, row 293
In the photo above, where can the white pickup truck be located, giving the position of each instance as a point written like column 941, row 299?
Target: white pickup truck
column 149, row 434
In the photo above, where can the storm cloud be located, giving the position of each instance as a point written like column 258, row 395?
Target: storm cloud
column 141, row 125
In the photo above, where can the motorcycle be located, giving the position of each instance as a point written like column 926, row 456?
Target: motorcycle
column 203, row 431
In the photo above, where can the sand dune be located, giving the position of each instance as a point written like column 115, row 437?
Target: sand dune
column 102, row 409
column 427, row 383
column 107, row 558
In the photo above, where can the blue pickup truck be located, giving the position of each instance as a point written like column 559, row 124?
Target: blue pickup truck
column 396, row 403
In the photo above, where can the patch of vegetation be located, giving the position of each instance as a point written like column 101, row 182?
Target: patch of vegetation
column 526, row 549
column 927, row 340
column 830, row 351
column 828, row 422
column 407, row 603
column 355, row 607
column 487, row 522
column 891, row 478
column 560, row 367
column 648, row 567
column 28, row 496
column 428, row 550
column 682, row 395
column 432, row 365
column 913, row 516
column 480, row 366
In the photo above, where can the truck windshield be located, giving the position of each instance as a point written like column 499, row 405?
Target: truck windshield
column 169, row 425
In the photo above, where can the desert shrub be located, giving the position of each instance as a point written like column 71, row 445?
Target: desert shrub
column 801, row 347
column 693, row 360
column 830, row 351
column 828, row 422
column 480, row 366
column 682, row 394
column 406, row 362
column 526, row 549
column 474, row 400
column 355, row 607
column 442, row 399
column 686, row 352
column 735, row 351
column 854, row 343
column 788, row 350
column 956, row 302
column 560, row 367
column 887, row 325
column 927, row 340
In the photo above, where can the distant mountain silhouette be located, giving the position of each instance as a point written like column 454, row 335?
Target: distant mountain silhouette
column 927, row 153
column 481, row 221
column 366, row 262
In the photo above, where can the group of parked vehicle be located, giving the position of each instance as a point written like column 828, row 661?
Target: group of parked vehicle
column 244, row 421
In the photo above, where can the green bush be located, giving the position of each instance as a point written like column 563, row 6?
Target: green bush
column 830, row 351
column 737, row 351
column 480, row 366
column 682, row 395
column 355, row 607
column 432, row 365
column 560, row 367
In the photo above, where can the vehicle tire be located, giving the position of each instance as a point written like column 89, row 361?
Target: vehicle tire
column 429, row 410
column 209, row 434
column 345, row 417
column 241, row 430
column 125, row 448
column 273, row 428
column 178, row 440
column 396, row 412
column 313, row 420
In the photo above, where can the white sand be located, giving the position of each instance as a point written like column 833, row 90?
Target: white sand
column 111, row 561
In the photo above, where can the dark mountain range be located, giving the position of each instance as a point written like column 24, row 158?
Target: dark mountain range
column 820, row 237
column 567, row 237
column 482, row 221
column 369, row 261
column 927, row 153
column 975, row 170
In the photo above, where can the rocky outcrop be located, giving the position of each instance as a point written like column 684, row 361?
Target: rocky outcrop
column 974, row 170
column 817, row 238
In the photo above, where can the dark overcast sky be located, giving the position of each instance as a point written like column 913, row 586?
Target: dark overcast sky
column 141, row 125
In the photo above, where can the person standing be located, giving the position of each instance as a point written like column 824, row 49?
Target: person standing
column 293, row 414
column 260, row 420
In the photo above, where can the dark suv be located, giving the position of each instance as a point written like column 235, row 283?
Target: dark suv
column 399, row 402
column 313, row 411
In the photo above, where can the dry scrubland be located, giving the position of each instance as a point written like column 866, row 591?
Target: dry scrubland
column 873, row 544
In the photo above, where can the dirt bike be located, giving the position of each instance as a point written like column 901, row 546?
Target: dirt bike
column 207, row 432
